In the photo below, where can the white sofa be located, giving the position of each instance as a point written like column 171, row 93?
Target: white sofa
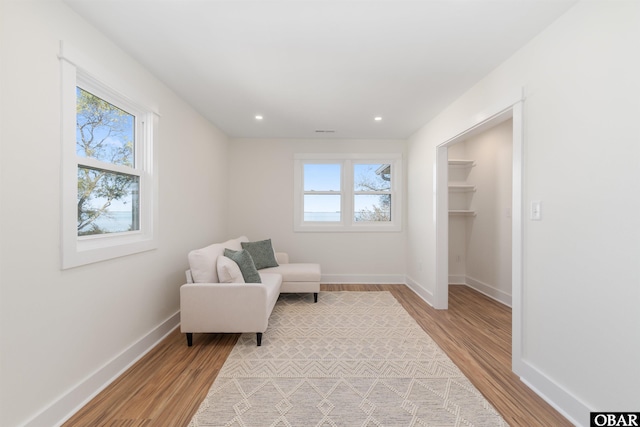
column 208, row 306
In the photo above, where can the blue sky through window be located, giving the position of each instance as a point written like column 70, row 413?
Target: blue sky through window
column 103, row 131
column 322, row 177
column 325, row 178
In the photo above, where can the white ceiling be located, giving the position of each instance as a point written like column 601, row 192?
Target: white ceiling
column 320, row 65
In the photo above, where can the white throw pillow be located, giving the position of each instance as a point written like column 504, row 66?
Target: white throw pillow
column 202, row 262
column 228, row 270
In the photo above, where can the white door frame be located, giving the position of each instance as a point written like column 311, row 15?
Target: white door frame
column 441, row 294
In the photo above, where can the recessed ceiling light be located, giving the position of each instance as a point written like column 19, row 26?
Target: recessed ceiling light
column 259, row 117
column 377, row 118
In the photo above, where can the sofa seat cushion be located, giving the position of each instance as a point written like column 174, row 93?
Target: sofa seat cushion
column 272, row 283
column 296, row 272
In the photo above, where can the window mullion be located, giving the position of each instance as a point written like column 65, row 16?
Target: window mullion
column 374, row 193
column 347, row 192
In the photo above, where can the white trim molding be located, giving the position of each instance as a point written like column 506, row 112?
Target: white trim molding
column 576, row 411
column 455, row 279
column 376, row 279
column 419, row 290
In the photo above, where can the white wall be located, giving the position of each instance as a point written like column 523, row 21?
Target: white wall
column 261, row 199
column 62, row 331
column 580, row 333
column 489, row 238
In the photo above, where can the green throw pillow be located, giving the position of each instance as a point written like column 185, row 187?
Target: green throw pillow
column 245, row 262
column 262, row 253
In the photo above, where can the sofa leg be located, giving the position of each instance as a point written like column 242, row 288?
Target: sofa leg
column 189, row 339
column 315, row 297
column 259, row 338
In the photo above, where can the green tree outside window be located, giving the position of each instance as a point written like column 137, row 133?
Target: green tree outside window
column 108, row 200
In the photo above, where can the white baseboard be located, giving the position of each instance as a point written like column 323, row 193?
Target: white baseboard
column 455, row 279
column 563, row 401
column 560, row 399
column 69, row 403
column 423, row 293
column 483, row 288
column 377, row 279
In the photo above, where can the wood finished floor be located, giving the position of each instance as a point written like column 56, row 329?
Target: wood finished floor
column 166, row 386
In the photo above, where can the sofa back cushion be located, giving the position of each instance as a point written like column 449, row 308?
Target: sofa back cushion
column 202, row 262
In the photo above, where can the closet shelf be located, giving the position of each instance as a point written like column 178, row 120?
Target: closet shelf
column 462, row 188
column 462, row 162
column 462, row 212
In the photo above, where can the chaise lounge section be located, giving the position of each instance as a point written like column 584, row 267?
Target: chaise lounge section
column 215, row 299
column 296, row 277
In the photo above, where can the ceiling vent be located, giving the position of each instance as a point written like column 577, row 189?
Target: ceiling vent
column 325, row 131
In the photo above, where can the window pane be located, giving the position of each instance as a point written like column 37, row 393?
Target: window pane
column 375, row 177
column 108, row 202
column 103, row 131
column 324, row 208
column 325, row 177
column 372, row 207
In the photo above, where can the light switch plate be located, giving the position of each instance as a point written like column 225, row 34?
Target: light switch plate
column 536, row 210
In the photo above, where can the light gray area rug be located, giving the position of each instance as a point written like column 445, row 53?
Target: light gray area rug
column 352, row 359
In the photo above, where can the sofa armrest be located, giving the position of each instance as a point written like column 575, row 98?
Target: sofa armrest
column 224, row 307
column 228, row 307
column 282, row 257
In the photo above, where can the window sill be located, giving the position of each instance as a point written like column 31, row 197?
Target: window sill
column 356, row 228
column 88, row 251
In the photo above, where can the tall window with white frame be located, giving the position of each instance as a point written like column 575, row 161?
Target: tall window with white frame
column 372, row 192
column 322, row 192
column 109, row 180
column 348, row 192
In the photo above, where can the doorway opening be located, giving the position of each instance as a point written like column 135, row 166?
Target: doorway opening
column 480, row 179
column 515, row 113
